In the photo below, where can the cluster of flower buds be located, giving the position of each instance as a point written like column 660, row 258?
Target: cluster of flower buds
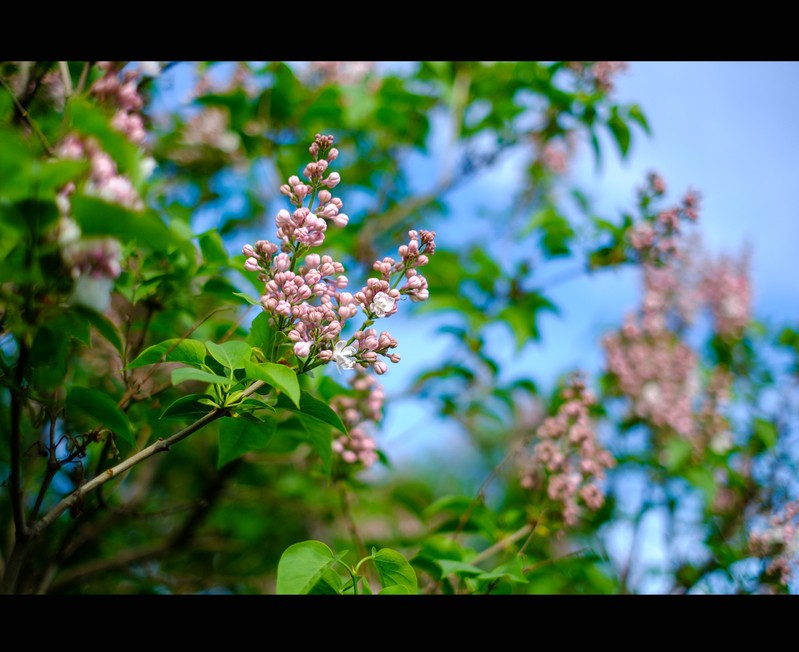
column 599, row 75
column 568, row 461
column 339, row 72
column 123, row 95
column 308, row 301
column 655, row 238
column 726, row 288
column 93, row 263
column 779, row 542
column 653, row 367
column 647, row 357
column 209, row 128
column 360, row 412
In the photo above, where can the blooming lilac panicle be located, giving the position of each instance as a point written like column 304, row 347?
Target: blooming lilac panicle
column 306, row 292
column 779, row 542
column 726, row 289
column 568, row 461
column 655, row 240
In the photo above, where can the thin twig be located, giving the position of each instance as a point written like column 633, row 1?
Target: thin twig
column 16, row 443
column 64, row 68
column 84, row 75
column 481, row 491
column 553, row 560
column 26, row 116
column 523, row 531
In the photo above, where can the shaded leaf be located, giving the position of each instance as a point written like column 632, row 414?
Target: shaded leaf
column 187, row 406
column 102, row 408
column 238, row 436
column 311, row 407
column 104, row 326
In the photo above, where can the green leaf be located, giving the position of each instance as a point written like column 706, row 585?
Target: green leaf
column 765, row 431
column 213, row 248
column 301, row 567
column 187, row 406
column 621, row 133
column 104, row 326
column 183, row 374
column 704, row 479
column 48, row 358
column 638, row 116
column 320, row 437
column 99, row 217
column 512, row 571
column 239, row 436
column 102, row 408
column 73, row 323
column 187, row 351
column 556, row 232
column 450, row 567
column 678, row 451
column 395, row 589
column 232, row 355
column 248, row 299
column 261, row 333
column 277, row 375
column 329, row 584
column 395, row 570
column 313, row 408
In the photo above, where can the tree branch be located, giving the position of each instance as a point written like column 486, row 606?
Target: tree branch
column 17, row 558
column 16, row 443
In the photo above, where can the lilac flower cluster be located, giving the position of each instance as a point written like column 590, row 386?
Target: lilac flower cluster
column 656, row 240
column 599, row 75
column 123, row 94
column 304, row 292
column 360, row 413
column 779, row 542
column 93, row 263
column 726, row 288
column 648, row 358
column 568, row 460
column 654, row 368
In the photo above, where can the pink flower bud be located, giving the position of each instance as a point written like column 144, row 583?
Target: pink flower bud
column 282, row 262
column 294, row 180
column 251, row 264
column 248, row 251
column 380, row 368
column 332, row 155
column 394, row 357
column 285, row 189
column 302, row 349
column 341, row 220
column 333, row 180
